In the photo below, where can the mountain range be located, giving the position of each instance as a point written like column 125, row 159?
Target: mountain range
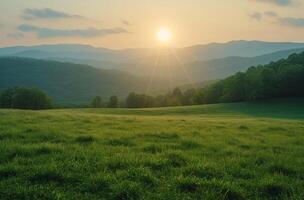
column 104, row 72
column 192, row 53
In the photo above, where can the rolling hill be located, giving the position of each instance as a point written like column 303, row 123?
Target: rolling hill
column 221, row 68
column 68, row 82
column 175, row 68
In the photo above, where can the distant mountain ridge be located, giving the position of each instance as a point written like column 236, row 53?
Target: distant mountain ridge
column 193, row 53
column 240, row 48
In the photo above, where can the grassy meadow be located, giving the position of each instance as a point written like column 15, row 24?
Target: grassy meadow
column 224, row 151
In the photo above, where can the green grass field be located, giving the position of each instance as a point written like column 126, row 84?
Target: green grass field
column 224, row 151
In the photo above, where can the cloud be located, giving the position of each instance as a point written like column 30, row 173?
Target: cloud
column 270, row 14
column 85, row 33
column 126, row 23
column 293, row 22
column 17, row 35
column 256, row 16
column 285, row 21
column 46, row 13
column 277, row 2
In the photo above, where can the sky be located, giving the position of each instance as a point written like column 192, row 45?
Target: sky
column 120, row 24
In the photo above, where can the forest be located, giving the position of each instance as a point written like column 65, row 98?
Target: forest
column 284, row 78
column 25, row 98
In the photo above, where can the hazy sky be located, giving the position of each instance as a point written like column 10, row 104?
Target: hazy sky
column 134, row 23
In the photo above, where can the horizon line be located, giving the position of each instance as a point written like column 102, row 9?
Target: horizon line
column 130, row 48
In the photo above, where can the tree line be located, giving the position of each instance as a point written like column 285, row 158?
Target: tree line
column 36, row 99
column 284, row 78
column 97, row 102
column 24, row 98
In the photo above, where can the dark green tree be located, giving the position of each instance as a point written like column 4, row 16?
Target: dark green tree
column 188, row 97
column 139, row 101
column 175, row 99
column 177, row 93
column 6, row 98
column 97, row 102
column 113, row 102
column 25, row 98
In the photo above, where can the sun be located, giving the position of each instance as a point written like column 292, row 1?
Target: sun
column 164, row 35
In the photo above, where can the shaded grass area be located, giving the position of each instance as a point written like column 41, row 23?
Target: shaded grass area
column 207, row 152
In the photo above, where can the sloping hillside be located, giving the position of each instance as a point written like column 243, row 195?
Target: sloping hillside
column 221, row 68
column 174, row 66
column 66, row 81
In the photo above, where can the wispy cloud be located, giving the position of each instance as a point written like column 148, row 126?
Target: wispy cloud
column 277, row 2
column 86, row 33
column 126, row 23
column 284, row 21
column 46, row 13
column 17, row 35
column 293, row 22
column 270, row 14
column 256, row 16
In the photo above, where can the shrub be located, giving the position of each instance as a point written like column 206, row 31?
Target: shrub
column 97, row 102
column 24, row 98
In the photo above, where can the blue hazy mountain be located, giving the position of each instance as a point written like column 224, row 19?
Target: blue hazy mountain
column 193, row 53
column 196, row 71
column 240, row 48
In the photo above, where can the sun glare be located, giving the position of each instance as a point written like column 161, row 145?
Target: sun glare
column 164, row 35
